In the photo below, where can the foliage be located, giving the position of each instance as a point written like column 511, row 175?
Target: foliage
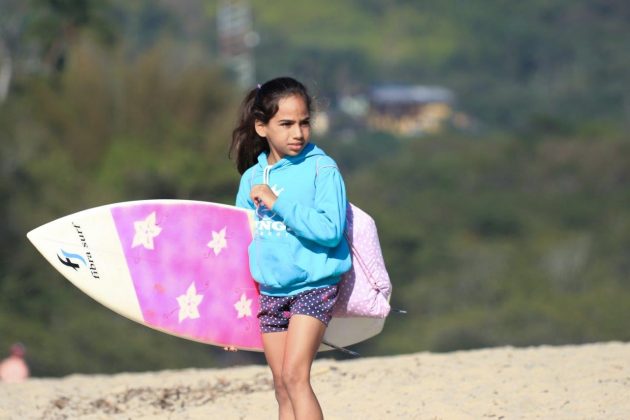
column 495, row 241
column 515, row 234
column 105, row 129
column 509, row 64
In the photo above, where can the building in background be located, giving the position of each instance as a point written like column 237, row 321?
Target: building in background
column 409, row 110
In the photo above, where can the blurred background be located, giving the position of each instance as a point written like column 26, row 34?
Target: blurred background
column 487, row 138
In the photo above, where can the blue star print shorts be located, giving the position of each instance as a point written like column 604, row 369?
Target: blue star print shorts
column 275, row 311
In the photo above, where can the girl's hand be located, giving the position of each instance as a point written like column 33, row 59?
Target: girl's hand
column 230, row 348
column 262, row 194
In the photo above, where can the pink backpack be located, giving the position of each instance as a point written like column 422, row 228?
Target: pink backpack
column 364, row 291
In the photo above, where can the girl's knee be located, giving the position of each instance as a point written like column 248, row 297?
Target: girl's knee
column 295, row 378
column 280, row 389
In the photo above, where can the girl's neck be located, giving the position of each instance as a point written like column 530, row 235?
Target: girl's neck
column 273, row 158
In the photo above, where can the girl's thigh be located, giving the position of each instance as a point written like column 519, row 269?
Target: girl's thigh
column 273, row 345
column 303, row 338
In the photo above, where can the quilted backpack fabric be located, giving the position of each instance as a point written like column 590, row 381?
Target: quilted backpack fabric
column 364, row 291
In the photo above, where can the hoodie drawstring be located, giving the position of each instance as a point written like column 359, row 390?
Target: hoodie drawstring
column 266, row 174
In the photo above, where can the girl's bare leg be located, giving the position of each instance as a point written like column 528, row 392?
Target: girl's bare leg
column 302, row 341
column 274, row 344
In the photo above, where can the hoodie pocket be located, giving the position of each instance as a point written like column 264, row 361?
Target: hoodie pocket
column 273, row 265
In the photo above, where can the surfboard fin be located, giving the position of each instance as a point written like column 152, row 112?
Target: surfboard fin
column 341, row 349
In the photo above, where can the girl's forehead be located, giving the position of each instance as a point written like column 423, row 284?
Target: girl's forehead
column 292, row 106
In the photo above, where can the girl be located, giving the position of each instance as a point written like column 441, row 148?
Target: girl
column 299, row 251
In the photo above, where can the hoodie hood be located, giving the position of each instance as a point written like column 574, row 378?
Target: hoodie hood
column 310, row 150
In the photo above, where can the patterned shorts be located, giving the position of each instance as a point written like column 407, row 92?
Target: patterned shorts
column 275, row 311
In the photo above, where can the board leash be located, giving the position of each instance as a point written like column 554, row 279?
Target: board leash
column 341, row 349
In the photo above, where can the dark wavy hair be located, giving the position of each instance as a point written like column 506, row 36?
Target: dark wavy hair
column 261, row 104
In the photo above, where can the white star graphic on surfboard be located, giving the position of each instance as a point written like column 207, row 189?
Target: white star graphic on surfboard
column 243, row 307
column 218, row 242
column 146, row 231
column 188, row 303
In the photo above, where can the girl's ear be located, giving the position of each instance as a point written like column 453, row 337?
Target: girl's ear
column 261, row 128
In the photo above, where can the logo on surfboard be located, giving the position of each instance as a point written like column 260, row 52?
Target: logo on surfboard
column 73, row 260
column 69, row 260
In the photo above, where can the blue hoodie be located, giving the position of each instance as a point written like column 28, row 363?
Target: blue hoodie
column 298, row 244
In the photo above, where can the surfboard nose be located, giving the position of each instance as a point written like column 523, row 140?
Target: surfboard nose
column 32, row 234
column 35, row 236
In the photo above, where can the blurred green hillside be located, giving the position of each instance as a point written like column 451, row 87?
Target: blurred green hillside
column 517, row 233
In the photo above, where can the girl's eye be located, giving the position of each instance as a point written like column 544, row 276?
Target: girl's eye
column 306, row 123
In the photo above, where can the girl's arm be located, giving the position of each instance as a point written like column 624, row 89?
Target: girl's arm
column 324, row 223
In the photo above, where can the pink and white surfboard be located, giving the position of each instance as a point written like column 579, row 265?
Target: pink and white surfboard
column 177, row 266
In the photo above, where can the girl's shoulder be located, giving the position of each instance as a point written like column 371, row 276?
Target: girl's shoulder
column 320, row 159
column 325, row 162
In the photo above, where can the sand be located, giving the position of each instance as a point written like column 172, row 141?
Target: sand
column 589, row 381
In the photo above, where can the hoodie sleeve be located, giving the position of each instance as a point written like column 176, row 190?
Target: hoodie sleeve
column 325, row 222
column 242, row 197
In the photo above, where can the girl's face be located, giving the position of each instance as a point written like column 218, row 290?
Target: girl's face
column 288, row 131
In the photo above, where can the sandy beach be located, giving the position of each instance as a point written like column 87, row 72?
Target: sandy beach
column 566, row 382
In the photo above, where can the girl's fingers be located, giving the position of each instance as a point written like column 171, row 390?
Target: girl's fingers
column 262, row 194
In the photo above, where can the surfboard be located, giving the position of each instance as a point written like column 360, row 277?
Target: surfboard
column 177, row 266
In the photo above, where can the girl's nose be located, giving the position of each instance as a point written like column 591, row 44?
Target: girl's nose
column 298, row 132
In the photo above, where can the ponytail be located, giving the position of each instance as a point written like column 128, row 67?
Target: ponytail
column 246, row 143
column 260, row 104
